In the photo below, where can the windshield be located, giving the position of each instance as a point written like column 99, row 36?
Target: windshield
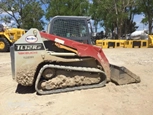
column 70, row 28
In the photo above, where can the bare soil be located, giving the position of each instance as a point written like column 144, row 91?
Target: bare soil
column 132, row 99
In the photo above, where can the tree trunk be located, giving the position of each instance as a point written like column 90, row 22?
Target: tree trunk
column 119, row 32
column 150, row 26
column 96, row 25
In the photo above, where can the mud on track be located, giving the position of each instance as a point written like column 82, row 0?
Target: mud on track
column 133, row 99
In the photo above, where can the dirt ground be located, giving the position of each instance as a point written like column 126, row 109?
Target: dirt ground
column 132, row 99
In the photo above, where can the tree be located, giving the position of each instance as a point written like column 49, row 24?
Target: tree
column 129, row 25
column 96, row 12
column 66, row 7
column 26, row 13
column 33, row 19
column 146, row 7
column 122, row 14
column 102, row 12
column 112, row 14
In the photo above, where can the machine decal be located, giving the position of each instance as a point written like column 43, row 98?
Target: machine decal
column 59, row 41
column 28, row 57
column 25, row 52
column 31, row 39
column 29, row 47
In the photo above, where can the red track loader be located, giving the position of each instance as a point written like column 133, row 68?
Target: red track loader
column 64, row 59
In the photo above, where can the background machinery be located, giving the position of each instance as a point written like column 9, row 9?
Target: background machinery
column 64, row 59
column 8, row 37
column 137, row 39
column 121, row 43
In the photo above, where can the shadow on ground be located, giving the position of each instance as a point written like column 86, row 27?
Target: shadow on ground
column 24, row 89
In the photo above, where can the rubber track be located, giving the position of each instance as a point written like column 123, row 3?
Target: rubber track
column 83, row 69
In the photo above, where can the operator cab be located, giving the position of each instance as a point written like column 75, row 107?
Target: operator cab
column 71, row 27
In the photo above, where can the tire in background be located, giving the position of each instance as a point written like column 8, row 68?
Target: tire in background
column 4, row 45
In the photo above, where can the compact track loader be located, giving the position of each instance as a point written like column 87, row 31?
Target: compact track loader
column 64, row 59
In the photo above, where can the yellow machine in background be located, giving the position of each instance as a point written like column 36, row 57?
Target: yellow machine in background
column 150, row 41
column 8, row 37
column 110, row 43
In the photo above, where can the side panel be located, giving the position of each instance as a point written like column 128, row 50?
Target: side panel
column 26, row 54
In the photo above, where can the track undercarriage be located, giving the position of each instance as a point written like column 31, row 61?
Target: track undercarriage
column 61, row 77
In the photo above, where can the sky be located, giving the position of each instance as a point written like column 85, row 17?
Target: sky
column 138, row 19
column 2, row 14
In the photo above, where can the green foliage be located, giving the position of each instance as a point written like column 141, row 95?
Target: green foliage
column 33, row 13
column 110, row 14
column 146, row 7
column 67, row 8
column 113, row 13
column 26, row 13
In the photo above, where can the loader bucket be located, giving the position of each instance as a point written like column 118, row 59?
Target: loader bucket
column 121, row 75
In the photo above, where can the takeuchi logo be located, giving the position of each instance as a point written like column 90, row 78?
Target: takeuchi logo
column 31, row 39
